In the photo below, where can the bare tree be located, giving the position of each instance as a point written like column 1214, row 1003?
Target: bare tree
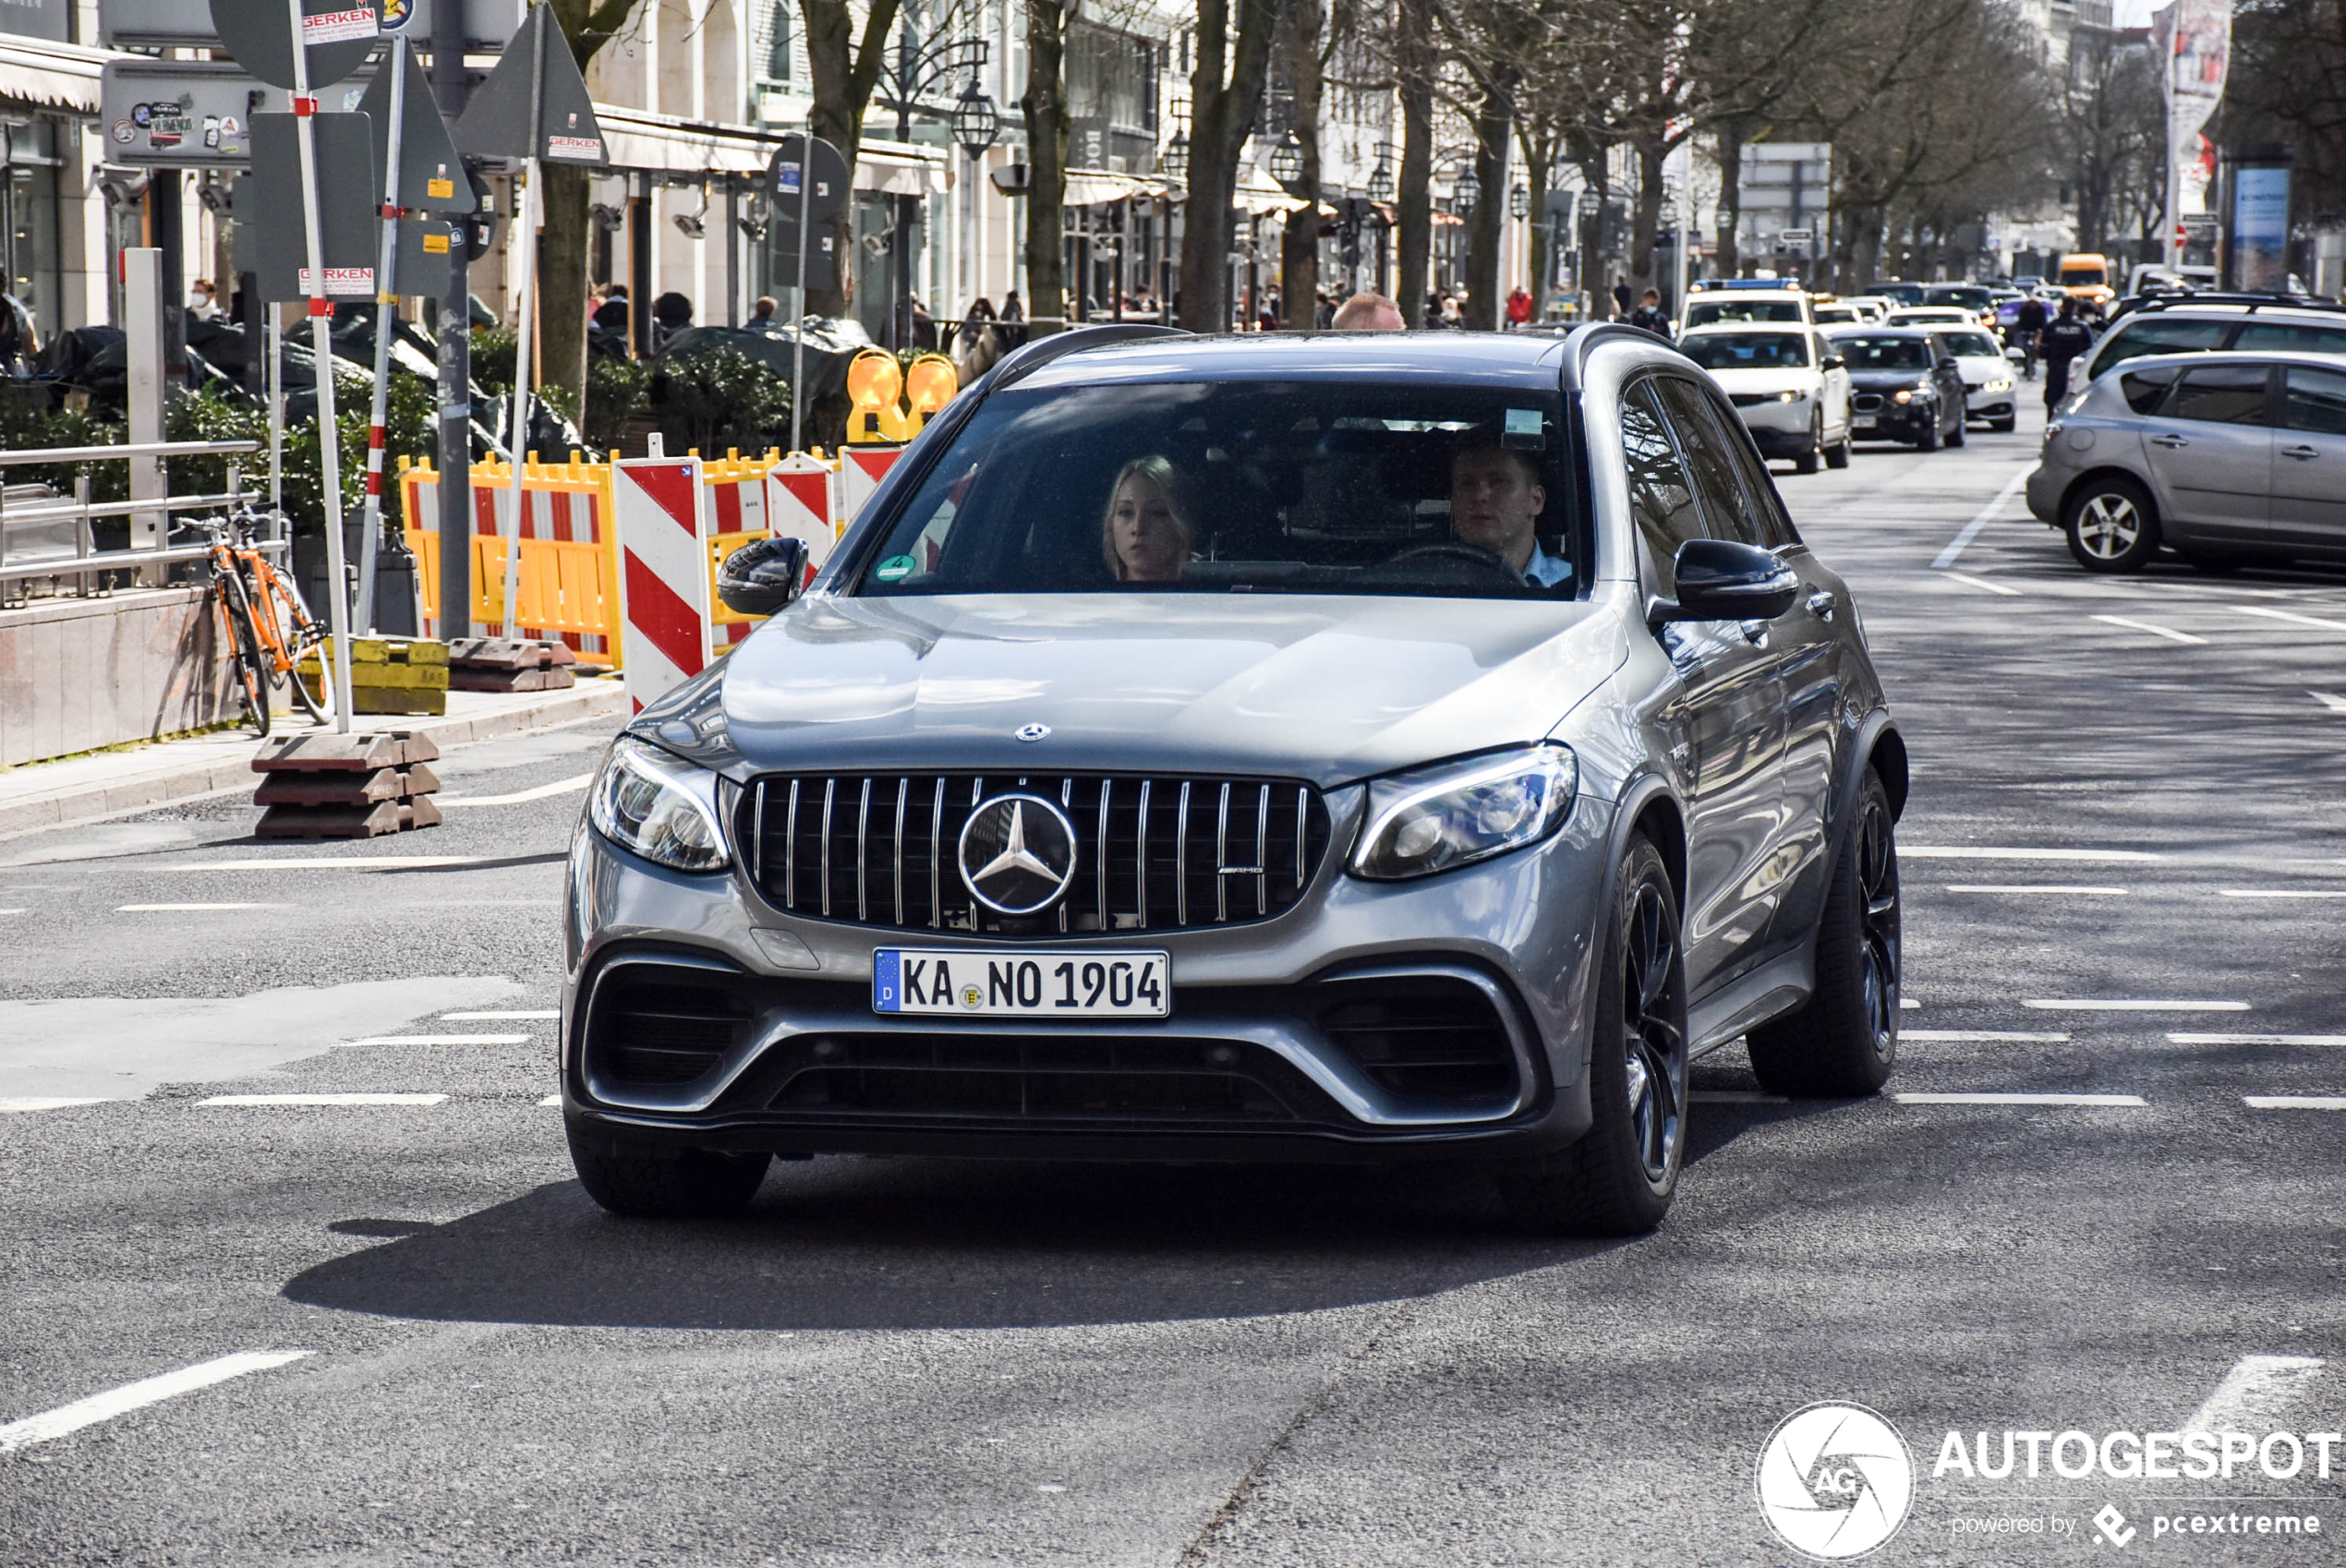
column 1044, row 104
column 586, row 26
column 1226, row 90
column 1300, row 239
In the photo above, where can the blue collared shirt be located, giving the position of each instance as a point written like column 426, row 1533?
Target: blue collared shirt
column 1545, row 570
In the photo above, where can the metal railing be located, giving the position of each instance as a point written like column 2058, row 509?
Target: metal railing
column 87, row 561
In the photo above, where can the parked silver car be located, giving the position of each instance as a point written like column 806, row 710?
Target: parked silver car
column 1361, row 748
column 2220, row 457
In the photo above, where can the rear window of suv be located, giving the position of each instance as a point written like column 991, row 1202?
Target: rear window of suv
column 2301, row 337
column 2170, row 335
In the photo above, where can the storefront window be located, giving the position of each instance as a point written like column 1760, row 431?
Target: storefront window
column 29, row 219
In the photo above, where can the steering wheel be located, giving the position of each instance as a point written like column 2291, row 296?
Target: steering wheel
column 1451, row 552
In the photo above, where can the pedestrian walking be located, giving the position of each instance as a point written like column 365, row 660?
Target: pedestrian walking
column 761, row 315
column 2060, row 343
column 2025, row 327
column 1014, row 320
column 1519, row 309
column 1621, row 299
column 1650, row 317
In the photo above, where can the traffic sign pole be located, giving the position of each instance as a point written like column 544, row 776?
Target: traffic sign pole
column 526, row 236
column 798, row 339
column 386, row 297
column 321, row 320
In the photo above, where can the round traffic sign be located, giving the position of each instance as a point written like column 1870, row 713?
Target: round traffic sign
column 258, row 34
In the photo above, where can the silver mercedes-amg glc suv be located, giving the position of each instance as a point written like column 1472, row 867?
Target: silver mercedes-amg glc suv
column 1379, row 747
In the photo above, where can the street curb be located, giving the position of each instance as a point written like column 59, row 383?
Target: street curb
column 96, row 799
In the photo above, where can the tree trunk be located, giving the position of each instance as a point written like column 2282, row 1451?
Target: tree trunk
column 562, row 285
column 1646, row 226
column 1538, row 149
column 1486, row 227
column 1225, row 91
column 844, row 71
column 1413, row 211
column 1046, row 105
column 1299, row 240
column 1588, row 156
column 1733, row 133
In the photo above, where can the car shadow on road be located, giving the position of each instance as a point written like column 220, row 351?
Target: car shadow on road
column 851, row 1243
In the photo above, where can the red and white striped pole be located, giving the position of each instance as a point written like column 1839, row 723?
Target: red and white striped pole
column 321, row 320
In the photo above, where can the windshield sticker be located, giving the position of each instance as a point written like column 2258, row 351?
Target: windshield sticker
column 1523, row 429
column 895, row 567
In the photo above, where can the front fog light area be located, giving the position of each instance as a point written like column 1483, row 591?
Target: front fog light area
column 1453, row 813
column 661, row 807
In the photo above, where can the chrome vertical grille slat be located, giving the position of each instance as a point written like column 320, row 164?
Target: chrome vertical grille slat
column 1122, row 864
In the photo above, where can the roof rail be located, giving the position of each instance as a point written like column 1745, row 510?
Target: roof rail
column 2164, row 301
column 1582, row 340
column 1031, row 356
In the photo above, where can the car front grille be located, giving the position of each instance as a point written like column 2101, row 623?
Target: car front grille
column 1866, row 402
column 654, row 1024
column 1426, row 1040
column 1153, row 854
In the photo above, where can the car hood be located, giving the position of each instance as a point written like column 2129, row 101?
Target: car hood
column 1328, row 688
column 1763, row 378
column 1886, row 381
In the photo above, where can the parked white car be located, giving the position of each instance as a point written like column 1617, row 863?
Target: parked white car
column 1931, row 316
column 1786, row 383
column 1987, row 375
column 1871, row 308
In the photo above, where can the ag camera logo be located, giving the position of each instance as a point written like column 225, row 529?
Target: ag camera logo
column 1834, row 1481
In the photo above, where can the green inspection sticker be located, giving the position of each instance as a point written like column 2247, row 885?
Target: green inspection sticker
column 895, row 567
column 1523, row 429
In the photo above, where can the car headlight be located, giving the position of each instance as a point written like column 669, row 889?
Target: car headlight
column 1790, row 396
column 1904, row 395
column 1999, row 385
column 659, row 806
column 1456, row 813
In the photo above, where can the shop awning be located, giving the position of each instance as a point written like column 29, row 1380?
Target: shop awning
column 51, row 76
column 664, row 144
column 1090, row 187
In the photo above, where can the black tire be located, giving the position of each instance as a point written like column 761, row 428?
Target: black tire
column 2111, row 522
column 629, row 1175
column 1617, row 1180
column 1846, row 1040
column 252, row 669
column 1812, row 457
column 2005, row 424
column 1961, row 433
column 1837, row 455
column 1928, row 439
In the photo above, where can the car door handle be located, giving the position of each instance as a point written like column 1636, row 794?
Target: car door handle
column 1822, row 604
column 2168, row 441
column 2302, row 453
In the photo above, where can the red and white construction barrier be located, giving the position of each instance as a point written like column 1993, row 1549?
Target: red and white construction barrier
column 860, row 468
column 804, row 504
column 663, row 571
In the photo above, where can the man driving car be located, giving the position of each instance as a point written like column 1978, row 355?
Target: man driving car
column 1497, row 496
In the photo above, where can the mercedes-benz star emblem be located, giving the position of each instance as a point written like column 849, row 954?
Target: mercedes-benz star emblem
column 1017, row 854
column 1032, row 731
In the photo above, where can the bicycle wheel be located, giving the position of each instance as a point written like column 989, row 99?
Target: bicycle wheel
column 252, row 673
column 298, row 635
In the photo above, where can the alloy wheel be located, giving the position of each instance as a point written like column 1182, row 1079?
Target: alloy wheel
column 2108, row 525
column 1878, row 884
column 1654, row 1034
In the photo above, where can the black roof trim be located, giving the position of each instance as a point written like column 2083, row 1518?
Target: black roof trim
column 1024, row 361
column 2151, row 303
column 1581, row 342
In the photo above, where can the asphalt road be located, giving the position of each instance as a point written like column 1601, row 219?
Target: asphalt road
column 2124, row 792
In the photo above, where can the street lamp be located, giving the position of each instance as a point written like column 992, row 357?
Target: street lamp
column 1519, row 200
column 1286, row 161
column 1466, row 190
column 1175, row 159
column 1591, row 205
column 1381, row 182
column 902, row 87
column 975, row 125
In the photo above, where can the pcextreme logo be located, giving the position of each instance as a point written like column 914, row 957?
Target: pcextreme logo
column 1834, row 1481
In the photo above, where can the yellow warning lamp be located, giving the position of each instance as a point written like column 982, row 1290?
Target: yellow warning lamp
column 929, row 385
column 875, row 388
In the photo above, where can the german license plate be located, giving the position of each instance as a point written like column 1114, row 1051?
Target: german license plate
column 1862, row 422
column 1021, row 983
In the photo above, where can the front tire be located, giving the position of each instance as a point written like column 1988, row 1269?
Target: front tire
column 1619, row 1179
column 1812, row 456
column 252, row 669
column 2111, row 524
column 1846, row 1040
column 1928, row 439
column 1837, row 455
column 1962, row 431
column 632, row 1176
column 2004, row 425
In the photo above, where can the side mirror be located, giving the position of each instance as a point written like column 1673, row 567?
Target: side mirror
column 1721, row 580
column 763, row 577
column 1834, row 362
column 1949, row 362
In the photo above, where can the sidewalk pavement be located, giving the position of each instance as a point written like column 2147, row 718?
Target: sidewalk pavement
column 53, row 794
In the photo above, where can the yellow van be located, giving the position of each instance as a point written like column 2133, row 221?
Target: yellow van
column 2084, row 277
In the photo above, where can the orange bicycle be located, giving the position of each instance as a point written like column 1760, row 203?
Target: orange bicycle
column 269, row 628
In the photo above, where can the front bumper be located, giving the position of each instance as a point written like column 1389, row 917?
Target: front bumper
column 1893, row 421
column 1446, row 1017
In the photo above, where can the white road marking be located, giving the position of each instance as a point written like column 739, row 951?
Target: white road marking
column 2167, row 631
column 2258, row 1391
column 2329, row 700
column 11, row 912
column 1908, row 1005
column 2294, row 1102
column 323, row 1100
column 2020, row 1100
column 440, row 1040
column 496, row 903
column 1970, row 530
column 1985, row 1036
column 2113, row 1004
column 1734, row 1097
column 2285, row 892
column 189, row 909
column 1967, row 578
column 2289, row 615
column 332, row 863
column 484, row 1018
column 542, row 792
column 551, row 1100
column 2259, row 1039
column 44, row 1103
column 1989, row 853
column 65, row 1418
column 2079, row 890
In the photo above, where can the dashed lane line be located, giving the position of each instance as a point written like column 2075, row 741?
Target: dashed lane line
column 2078, row 890
column 2125, row 1100
column 2291, row 616
column 2329, row 700
column 2294, row 1102
column 2255, row 1394
column 551, row 1100
column 332, row 863
column 1970, row 531
column 2010, row 852
column 2258, row 1039
column 2167, row 631
column 191, row 909
column 440, row 1040
column 1985, row 1036
column 242, row 1100
column 548, row 1014
column 2129, row 1004
column 43, row 1102
column 521, row 797
column 2283, row 892
column 65, row 1419
column 1969, row 581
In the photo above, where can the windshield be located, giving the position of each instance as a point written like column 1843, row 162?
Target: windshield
column 1239, row 486
column 1969, row 298
column 2084, row 276
column 1746, row 351
column 1884, row 353
column 1971, row 344
column 1706, row 310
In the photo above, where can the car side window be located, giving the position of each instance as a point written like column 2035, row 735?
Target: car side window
column 2144, row 389
column 2163, row 337
column 2265, row 337
column 2219, row 395
column 1662, row 502
column 2317, row 402
column 1725, row 509
column 1766, row 506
